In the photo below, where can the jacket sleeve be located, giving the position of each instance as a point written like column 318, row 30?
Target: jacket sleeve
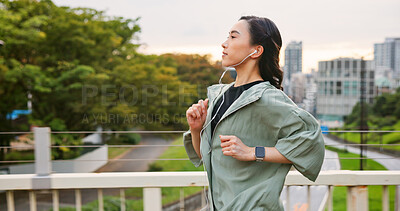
column 300, row 140
column 187, row 142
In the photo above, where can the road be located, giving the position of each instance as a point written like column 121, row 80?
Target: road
column 138, row 153
column 388, row 161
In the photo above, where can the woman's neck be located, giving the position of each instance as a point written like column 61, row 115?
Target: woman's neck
column 247, row 74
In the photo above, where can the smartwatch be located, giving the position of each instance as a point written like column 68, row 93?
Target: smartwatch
column 260, row 154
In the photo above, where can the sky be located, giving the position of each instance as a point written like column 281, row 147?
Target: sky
column 328, row 29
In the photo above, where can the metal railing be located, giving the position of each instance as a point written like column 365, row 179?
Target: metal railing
column 357, row 182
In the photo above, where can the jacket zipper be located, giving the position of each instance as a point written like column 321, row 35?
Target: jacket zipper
column 210, row 145
column 227, row 116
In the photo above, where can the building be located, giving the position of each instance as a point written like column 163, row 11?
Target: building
column 310, row 99
column 297, row 87
column 339, row 88
column 293, row 63
column 387, row 61
column 304, row 90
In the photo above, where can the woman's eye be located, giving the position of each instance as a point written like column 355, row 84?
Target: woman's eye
column 231, row 37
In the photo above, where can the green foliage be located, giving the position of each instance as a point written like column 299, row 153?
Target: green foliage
column 20, row 155
column 383, row 114
column 83, row 71
column 130, row 138
column 155, row 167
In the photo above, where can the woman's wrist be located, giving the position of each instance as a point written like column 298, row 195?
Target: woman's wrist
column 194, row 130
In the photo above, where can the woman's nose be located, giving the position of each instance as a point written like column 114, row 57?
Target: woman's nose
column 224, row 44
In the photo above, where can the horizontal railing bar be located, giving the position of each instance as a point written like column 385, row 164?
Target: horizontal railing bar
column 175, row 159
column 138, row 146
column 137, row 159
column 182, row 179
column 117, row 146
column 362, row 144
column 15, row 133
column 361, row 131
column 133, row 159
column 183, row 131
column 121, row 131
column 17, row 161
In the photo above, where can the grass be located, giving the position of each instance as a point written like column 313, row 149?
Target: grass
column 375, row 138
column 374, row 191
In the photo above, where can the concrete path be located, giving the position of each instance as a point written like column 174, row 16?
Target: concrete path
column 138, row 153
column 388, row 161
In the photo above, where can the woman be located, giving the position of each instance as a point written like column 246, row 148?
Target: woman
column 252, row 120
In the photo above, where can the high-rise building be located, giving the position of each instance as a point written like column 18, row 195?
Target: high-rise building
column 387, row 61
column 293, row 63
column 339, row 88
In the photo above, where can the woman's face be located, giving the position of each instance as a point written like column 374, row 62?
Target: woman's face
column 237, row 46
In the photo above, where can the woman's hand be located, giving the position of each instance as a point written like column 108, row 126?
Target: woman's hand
column 233, row 146
column 196, row 115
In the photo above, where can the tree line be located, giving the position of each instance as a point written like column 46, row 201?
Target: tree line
column 81, row 69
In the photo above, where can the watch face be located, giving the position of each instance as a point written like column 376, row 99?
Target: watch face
column 260, row 152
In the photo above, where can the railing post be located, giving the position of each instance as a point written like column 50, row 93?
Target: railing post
column 397, row 198
column 10, row 200
column 357, row 198
column 330, row 198
column 152, row 199
column 385, row 198
column 42, row 151
column 287, row 197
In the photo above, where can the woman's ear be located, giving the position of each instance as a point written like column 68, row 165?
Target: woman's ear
column 260, row 50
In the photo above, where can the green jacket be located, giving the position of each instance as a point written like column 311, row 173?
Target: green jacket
column 262, row 116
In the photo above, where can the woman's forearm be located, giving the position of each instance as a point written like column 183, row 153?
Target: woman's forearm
column 274, row 156
column 196, row 142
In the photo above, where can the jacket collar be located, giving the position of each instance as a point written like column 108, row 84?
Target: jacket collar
column 215, row 91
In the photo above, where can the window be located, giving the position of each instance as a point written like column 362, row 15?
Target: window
column 355, row 73
column 354, row 90
column 347, row 64
column 354, row 64
column 346, row 73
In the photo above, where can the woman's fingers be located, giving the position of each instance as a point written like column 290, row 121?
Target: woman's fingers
column 202, row 105
column 198, row 110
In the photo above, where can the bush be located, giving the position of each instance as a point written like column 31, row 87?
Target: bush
column 155, row 167
column 130, row 138
column 20, row 155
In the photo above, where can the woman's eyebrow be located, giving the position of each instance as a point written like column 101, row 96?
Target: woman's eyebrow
column 234, row 31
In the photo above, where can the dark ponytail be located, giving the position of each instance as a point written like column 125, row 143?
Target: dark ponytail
column 265, row 33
